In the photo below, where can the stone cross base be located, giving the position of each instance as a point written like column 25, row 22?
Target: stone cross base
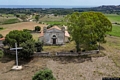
column 17, row 68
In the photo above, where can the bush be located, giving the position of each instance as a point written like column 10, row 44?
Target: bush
column 44, row 75
column 39, row 46
column 1, row 54
column 1, row 36
column 28, row 49
column 1, row 28
column 11, row 21
column 37, row 28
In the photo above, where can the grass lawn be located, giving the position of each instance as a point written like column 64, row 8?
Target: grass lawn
column 113, row 17
column 115, row 31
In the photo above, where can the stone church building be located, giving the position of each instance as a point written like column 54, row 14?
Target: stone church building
column 54, row 36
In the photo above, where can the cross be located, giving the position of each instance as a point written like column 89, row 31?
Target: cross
column 16, row 48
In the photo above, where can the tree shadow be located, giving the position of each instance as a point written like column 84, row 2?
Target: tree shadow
column 25, row 61
column 101, row 48
column 73, row 59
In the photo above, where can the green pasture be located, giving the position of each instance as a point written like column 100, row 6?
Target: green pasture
column 113, row 17
column 115, row 31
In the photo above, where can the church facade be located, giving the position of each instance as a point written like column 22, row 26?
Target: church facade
column 54, row 36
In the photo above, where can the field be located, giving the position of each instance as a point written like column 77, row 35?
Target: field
column 21, row 26
column 54, row 22
column 91, row 67
column 113, row 17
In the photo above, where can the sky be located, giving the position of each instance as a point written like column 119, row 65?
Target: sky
column 61, row 2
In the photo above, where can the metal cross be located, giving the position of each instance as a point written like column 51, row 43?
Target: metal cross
column 16, row 48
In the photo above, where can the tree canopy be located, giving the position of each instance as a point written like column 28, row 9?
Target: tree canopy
column 28, row 49
column 17, row 36
column 87, row 28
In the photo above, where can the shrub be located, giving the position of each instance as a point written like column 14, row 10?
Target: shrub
column 1, row 28
column 39, row 46
column 1, row 36
column 1, row 54
column 28, row 49
column 37, row 28
column 44, row 75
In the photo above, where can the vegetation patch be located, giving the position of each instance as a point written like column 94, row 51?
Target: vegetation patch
column 10, row 21
column 54, row 22
column 1, row 28
column 115, row 31
column 45, row 74
column 1, row 54
column 113, row 17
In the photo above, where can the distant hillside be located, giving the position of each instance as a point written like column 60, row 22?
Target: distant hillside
column 108, row 9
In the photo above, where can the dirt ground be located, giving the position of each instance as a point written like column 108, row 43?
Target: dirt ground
column 19, row 26
column 70, row 68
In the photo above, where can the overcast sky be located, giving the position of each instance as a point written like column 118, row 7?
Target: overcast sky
column 61, row 2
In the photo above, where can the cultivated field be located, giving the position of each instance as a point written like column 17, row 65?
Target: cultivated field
column 21, row 26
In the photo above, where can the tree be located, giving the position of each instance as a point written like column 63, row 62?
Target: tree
column 1, row 36
column 23, row 17
column 87, row 28
column 28, row 49
column 37, row 28
column 37, row 18
column 44, row 75
column 39, row 46
column 16, row 36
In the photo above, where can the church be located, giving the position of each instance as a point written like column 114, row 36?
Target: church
column 54, row 36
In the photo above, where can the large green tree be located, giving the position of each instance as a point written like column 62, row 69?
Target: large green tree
column 88, row 28
column 16, row 36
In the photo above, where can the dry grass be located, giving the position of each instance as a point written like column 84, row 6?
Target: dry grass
column 51, row 18
column 64, row 48
column 19, row 26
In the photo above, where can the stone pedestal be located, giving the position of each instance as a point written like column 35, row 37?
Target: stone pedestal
column 17, row 68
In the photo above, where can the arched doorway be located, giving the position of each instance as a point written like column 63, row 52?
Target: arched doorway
column 54, row 39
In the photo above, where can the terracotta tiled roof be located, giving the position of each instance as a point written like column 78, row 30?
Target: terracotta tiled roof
column 2, row 39
column 67, row 34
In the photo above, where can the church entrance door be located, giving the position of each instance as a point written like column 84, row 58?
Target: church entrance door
column 54, row 41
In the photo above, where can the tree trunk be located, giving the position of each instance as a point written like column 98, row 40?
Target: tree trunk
column 77, row 46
